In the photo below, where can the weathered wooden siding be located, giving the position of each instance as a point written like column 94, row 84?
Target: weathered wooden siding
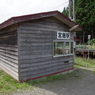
column 9, row 51
column 36, row 49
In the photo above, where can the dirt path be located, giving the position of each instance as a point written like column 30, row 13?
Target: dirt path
column 81, row 84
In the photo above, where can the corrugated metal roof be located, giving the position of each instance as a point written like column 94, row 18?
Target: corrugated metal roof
column 55, row 14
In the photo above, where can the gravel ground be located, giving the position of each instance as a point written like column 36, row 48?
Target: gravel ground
column 81, row 84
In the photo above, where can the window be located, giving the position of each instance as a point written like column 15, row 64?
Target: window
column 63, row 48
column 58, row 48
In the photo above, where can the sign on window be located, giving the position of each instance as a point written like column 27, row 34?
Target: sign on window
column 63, row 35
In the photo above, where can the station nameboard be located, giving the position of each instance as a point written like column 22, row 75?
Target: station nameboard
column 63, row 35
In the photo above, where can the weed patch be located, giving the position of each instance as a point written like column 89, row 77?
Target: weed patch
column 8, row 85
column 80, row 62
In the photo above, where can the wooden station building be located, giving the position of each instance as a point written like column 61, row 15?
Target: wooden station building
column 37, row 45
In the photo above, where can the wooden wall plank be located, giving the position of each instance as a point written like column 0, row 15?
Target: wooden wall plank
column 42, row 63
column 8, row 60
column 35, row 75
column 36, row 48
column 9, row 51
column 9, row 71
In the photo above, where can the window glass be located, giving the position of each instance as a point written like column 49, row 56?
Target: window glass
column 58, row 48
column 71, row 47
column 62, row 48
column 67, row 47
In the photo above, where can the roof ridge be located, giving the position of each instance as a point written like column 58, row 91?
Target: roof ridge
column 56, row 14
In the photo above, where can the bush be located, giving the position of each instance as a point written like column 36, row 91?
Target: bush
column 92, row 42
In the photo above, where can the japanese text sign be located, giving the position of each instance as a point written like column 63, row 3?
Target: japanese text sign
column 63, row 35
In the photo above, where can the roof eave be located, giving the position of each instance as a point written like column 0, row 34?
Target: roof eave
column 55, row 14
column 19, row 19
column 68, row 22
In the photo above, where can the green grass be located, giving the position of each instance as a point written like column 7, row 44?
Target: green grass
column 53, row 78
column 8, row 85
column 80, row 62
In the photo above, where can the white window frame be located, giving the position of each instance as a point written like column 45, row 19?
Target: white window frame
column 64, row 49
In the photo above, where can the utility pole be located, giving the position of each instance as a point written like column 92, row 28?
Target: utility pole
column 72, row 11
column 72, row 17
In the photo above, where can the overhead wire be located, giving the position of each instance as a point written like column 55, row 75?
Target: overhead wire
column 61, row 4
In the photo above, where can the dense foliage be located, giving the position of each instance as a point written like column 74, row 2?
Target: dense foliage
column 65, row 11
column 85, row 17
column 92, row 42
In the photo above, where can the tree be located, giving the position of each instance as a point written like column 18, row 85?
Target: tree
column 65, row 11
column 85, row 17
